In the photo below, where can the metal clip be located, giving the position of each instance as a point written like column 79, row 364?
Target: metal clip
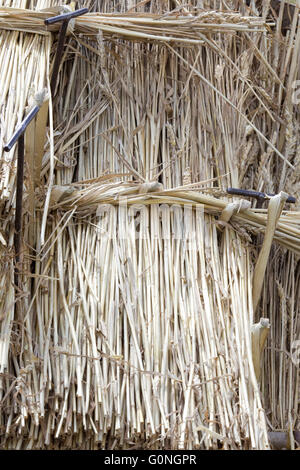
column 19, row 136
column 256, row 194
column 65, row 18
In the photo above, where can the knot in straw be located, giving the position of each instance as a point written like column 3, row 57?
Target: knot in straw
column 40, row 97
column 232, row 208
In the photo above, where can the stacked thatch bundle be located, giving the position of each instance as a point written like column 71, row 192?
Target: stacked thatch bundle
column 137, row 324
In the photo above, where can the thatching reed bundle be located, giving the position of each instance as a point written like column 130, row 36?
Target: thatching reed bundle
column 87, row 201
column 134, row 26
column 137, row 319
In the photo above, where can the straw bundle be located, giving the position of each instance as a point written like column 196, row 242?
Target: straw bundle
column 87, row 200
column 134, row 26
column 143, row 339
column 135, row 326
column 24, row 63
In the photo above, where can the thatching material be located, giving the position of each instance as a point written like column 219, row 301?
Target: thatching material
column 24, row 64
column 138, row 331
column 185, row 29
column 284, row 229
column 144, row 340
